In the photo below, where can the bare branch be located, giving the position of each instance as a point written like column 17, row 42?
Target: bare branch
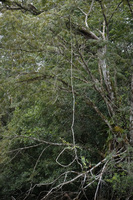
column 84, row 174
column 24, row 148
column 105, row 18
column 43, row 141
column 39, row 159
column 87, row 14
column 61, row 154
column 31, row 176
column 73, row 97
column 86, row 17
column 100, row 179
column 72, row 180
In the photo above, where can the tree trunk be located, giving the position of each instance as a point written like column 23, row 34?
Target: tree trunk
column 105, row 71
column 106, row 78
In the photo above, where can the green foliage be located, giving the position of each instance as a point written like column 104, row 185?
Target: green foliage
column 120, row 179
column 42, row 58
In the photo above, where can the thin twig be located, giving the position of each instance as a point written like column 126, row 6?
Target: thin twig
column 95, row 197
column 24, row 148
column 31, row 188
column 73, row 96
column 86, row 17
column 59, row 157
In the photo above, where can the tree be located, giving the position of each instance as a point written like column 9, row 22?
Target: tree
column 70, row 66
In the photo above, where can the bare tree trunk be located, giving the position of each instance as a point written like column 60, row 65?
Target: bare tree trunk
column 131, row 113
column 106, row 78
column 105, row 70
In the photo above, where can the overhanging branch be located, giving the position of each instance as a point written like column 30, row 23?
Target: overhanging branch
column 13, row 5
column 81, row 31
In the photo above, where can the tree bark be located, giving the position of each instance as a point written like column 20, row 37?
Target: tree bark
column 106, row 77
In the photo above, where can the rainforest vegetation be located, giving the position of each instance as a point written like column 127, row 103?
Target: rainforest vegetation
column 66, row 100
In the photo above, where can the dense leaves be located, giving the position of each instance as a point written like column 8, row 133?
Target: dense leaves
column 66, row 100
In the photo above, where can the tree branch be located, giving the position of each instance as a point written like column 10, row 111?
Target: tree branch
column 13, row 5
column 82, row 31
